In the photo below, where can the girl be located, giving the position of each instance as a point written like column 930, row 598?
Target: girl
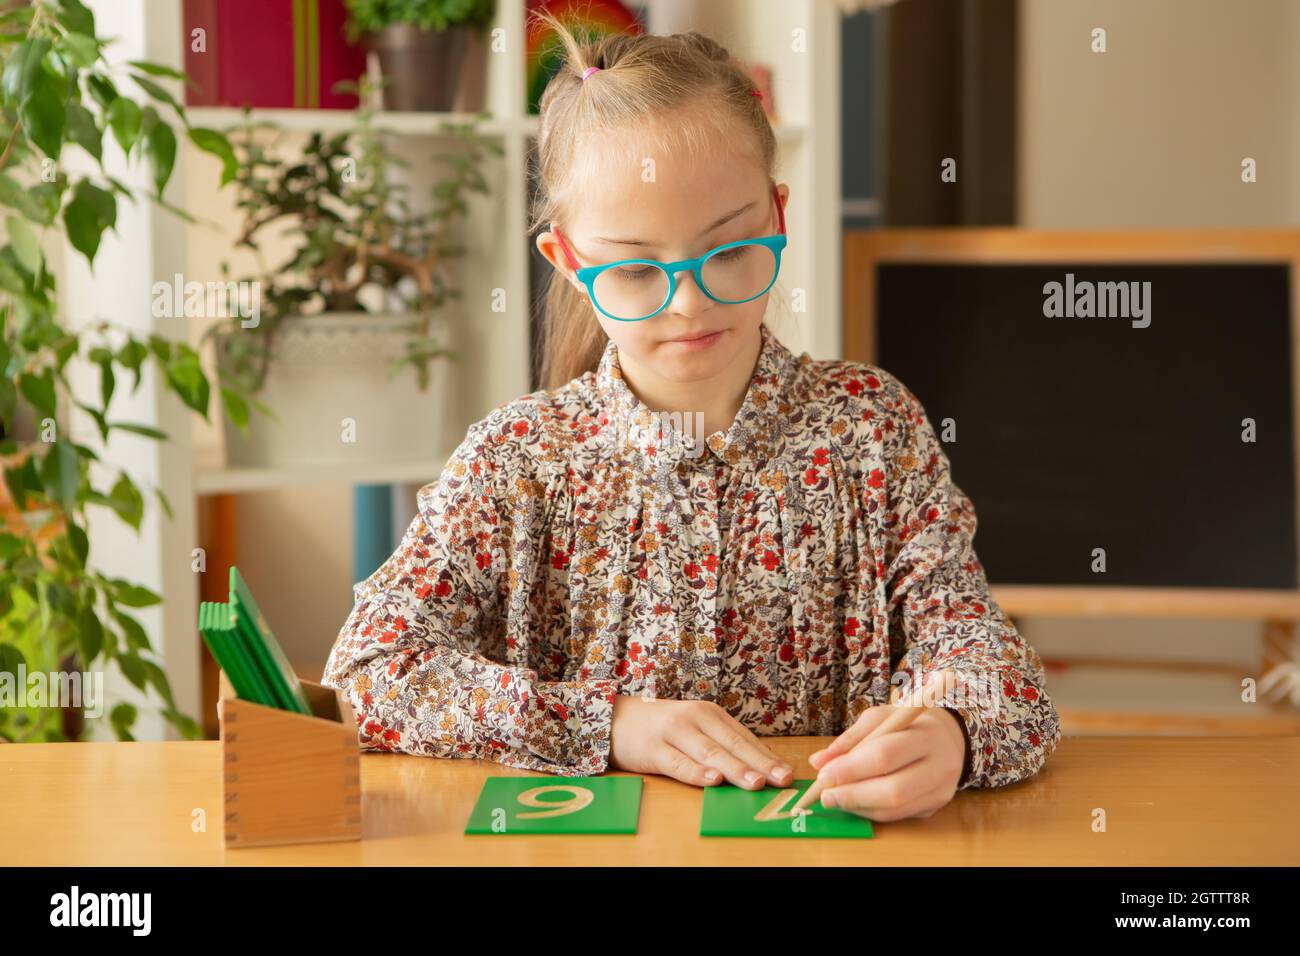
column 589, row 587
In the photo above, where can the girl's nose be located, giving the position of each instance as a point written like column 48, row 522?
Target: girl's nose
column 689, row 299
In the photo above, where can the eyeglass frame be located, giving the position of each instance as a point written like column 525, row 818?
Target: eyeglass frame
column 587, row 274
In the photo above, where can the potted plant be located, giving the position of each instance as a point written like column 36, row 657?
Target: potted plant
column 347, row 312
column 424, row 48
column 57, row 612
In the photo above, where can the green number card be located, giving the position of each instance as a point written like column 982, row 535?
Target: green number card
column 559, row 805
column 732, row 812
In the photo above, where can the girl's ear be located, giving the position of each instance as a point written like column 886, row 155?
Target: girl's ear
column 549, row 246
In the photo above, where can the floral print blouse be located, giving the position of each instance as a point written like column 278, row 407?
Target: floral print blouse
column 567, row 554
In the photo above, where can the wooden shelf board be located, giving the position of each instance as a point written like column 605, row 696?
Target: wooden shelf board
column 210, row 478
column 410, row 123
column 1092, row 700
column 403, row 123
column 1220, row 603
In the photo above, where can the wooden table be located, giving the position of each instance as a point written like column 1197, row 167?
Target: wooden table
column 1168, row 801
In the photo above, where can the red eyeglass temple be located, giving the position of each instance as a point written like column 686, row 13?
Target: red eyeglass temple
column 780, row 215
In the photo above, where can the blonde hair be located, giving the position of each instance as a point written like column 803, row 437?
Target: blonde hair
column 687, row 81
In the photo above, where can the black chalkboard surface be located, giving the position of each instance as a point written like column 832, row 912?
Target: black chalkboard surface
column 1081, row 433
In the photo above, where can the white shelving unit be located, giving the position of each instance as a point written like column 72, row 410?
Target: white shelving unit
column 402, row 124
column 798, row 39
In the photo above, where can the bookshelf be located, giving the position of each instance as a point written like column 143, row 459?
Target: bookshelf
column 798, row 39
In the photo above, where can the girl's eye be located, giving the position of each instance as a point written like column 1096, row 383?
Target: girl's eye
column 729, row 254
column 635, row 275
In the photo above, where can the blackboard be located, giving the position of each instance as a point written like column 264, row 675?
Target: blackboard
column 1080, row 433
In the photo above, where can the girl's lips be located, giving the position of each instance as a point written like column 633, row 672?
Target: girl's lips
column 702, row 341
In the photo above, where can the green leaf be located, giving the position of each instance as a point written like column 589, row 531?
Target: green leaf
column 79, row 542
column 14, row 482
column 98, row 416
column 210, row 141
column 133, row 595
column 124, row 120
column 102, row 90
column 83, row 50
column 8, row 403
column 236, row 408
column 43, row 113
column 12, row 278
column 90, row 635
column 91, row 211
column 11, row 658
column 159, row 94
column 21, row 69
column 132, row 355
column 39, row 390
column 61, row 473
column 160, row 147
column 161, row 348
column 132, row 669
column 186, row 377
column 65, row 350
column 136, row 638
column 122, row 717
column 104, row 359
column 159, row 680
column 188, row 727
column 155, row 69
column 145, row 430
column 166, row 505
column 27, row 201
column 83, row 131
column 76, row 17
column 10, row 546
column 24, row 244
column 126, row 500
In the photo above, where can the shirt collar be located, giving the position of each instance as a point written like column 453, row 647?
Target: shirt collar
column 628, row 424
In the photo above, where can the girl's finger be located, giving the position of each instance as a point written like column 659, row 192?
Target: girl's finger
column 882, row 754
column 901, row 790
column 740, row 741
column 867, row 721
column 692, row 741
column 673, row 763
column 920, row 808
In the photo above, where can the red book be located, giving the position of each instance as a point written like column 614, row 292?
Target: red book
column 269, row 53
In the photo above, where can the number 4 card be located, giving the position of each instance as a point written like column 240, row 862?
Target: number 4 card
column 732, row 812
column 569, row 805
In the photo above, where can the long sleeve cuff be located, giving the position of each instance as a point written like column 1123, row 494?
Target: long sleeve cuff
column 1011, row 728
column 571, row 735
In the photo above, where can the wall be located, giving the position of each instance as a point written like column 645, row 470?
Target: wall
column 1151, row 134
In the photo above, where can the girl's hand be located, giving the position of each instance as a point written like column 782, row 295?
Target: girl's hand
column 906, row 773
column 694, row 741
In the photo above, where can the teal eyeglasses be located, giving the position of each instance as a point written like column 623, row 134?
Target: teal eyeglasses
column 633, row 290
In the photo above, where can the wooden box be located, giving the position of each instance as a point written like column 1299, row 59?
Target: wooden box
column 289, row 778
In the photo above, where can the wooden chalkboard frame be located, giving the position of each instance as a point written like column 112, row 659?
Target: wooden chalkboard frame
column 866, row 250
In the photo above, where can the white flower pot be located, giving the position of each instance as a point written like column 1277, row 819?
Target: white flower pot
column 335, row 402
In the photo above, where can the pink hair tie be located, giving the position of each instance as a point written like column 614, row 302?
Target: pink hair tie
column 588, row 71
